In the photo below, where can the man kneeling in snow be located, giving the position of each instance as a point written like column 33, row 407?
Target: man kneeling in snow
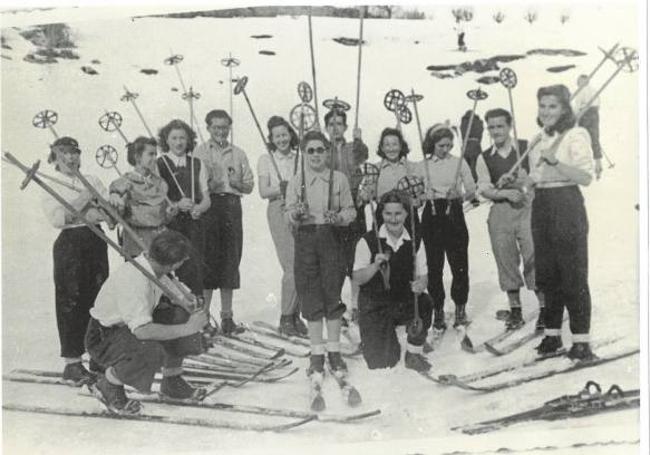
column 380, row 309
column 134, row 330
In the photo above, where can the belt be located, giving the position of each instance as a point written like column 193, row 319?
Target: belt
column 543, row 185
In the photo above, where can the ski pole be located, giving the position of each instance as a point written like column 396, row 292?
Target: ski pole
column 106, row 157
column 51, row 178
column 229, row 63
column 508, row 79
column 174, row 60
column 46, row 119
column 608, row 55
column 240, row 87
column 173, row 297
column 130, row 97
column 356, row 110
column 313, row 67
column 190, row 96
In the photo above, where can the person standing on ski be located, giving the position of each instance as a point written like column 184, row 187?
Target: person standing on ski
column 178, row 140
column 230, row 178
column 317, row 203
column 141, row 196
column 348, row 157
column 560, row 161
column 590, row 120
column 135, row 331
column 283, row 142
column 381, row 310
column 509, row 218
column 80, row 258
column 443, row 222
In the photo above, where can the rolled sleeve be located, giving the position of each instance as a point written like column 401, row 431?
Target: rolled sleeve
column 346, row 204
column 362, row 255
column 484, row 181
column 579, row 151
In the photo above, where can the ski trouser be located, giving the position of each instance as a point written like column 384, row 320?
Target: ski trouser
column 223, row 241
column 446, row 235
column 192, row 271
column 590, row 121
column 319, row 269
column 284, row 249
column 559, row 226
column 512, row 243
column 80, row 269
column 379, row 315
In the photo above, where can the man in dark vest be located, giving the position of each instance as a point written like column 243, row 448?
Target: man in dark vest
column 381, row 309
column 509, row 219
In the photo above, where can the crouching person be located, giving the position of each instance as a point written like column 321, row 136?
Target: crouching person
column 134, row 331
column 381, row 310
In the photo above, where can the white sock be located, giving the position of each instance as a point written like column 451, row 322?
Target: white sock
column 71, row 360
column 333, row 346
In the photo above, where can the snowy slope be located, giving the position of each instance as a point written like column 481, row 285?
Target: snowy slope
column 412, row 408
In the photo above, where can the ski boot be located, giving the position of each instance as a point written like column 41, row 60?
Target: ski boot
column 288, row 326
column 337, row 364
column 77, row 375
column 177, row 388
column 114, row 398
column 549, row 345
column 439, row 324
column 502, row 315
column 581, row 352
column 300, row 326
column 95, row 368
column 514, row 321
column 540, row 325
column 461, row 317
column 417, row 362
column 228, row 327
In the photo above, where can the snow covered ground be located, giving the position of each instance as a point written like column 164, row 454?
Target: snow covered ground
column 416, row 414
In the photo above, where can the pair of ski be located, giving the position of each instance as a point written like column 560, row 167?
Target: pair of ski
column 350, row 394
column 302, row 417
column 589, row 401
column 492, row 344
column 350, row 349
column 563, row 368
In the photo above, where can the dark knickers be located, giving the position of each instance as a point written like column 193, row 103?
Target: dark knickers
column 224, row 242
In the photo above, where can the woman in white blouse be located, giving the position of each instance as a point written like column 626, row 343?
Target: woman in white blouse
column 560, row 161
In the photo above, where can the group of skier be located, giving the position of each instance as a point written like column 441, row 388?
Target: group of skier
column 184, row 214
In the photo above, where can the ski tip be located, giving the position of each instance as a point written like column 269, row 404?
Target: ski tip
column 492, row 350
column 318, row 404
column 467, row 345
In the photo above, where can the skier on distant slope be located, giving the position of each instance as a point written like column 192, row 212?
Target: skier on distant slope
column 509, row 219
column 230, row 178
column 283, row 141
column 80, row 259
column 381, row 310
column 559, row 220
column 134, row 330
column 319, row 262
column 445, row 234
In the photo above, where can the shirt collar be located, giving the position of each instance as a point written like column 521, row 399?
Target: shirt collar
column 279, row 156
column 313, row 176
column 383, row 234
column 215, row 146
column 385, row 163
column 508, row 146
column 178, row 161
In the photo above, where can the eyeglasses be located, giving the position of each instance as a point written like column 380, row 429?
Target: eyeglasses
column 319, row 150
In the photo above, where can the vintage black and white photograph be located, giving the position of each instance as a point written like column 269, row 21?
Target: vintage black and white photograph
column 275, row 228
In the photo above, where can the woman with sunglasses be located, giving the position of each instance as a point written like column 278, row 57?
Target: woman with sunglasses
column 559, row 162
column 443, row 222
column 283, row 142
column 318, row 202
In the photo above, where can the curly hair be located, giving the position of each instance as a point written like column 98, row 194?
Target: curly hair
column 170, row 247
column 404, row 147
column 314, row 136
column 394, row 196
column 567, row 119
column 499, row 112
column 217, row 113
column 338, row 113
column 176, row 124
column 276, row 121
column 434, row 135
column 134, row 149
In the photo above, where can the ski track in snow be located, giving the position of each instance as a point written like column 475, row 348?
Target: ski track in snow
column 412, row 408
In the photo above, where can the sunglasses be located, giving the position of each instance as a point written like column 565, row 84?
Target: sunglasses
column 319, row 150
